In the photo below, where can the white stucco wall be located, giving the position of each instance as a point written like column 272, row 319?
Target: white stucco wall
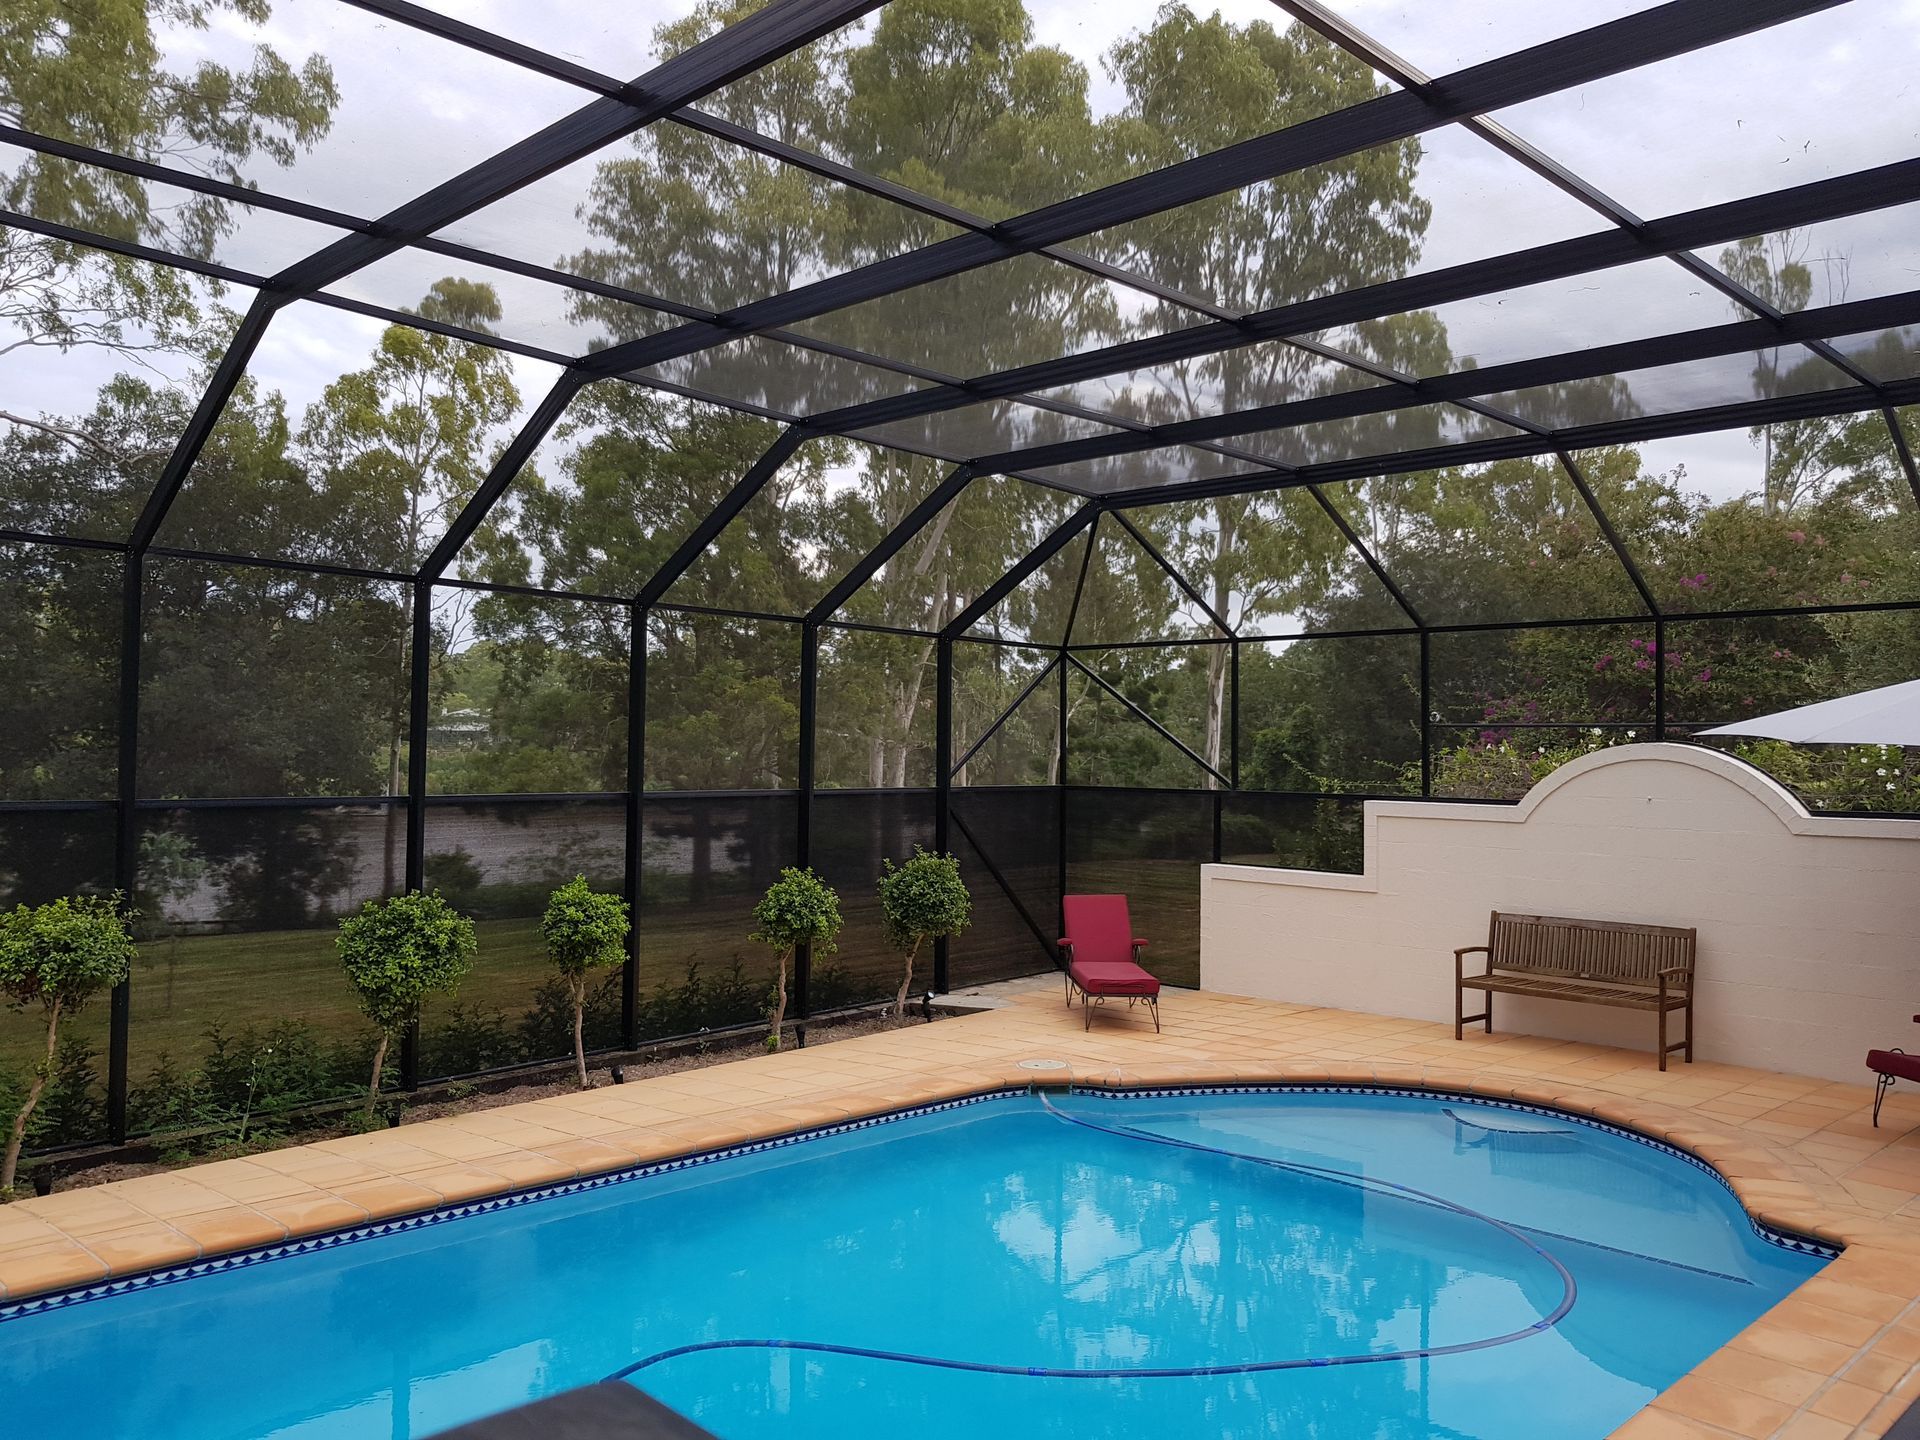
column 1809, row 925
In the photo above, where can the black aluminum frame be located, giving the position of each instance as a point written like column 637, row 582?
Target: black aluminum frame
column 671, row 92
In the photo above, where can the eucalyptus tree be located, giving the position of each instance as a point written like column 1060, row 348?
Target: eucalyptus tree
column 1193, row 85
column 100, row 74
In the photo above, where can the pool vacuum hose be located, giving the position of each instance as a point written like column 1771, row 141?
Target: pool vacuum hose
column 1569, row 1292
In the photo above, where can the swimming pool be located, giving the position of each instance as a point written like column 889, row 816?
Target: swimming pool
column 1317, row 1263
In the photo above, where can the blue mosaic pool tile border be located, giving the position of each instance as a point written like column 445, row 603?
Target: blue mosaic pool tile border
column 241, row 1259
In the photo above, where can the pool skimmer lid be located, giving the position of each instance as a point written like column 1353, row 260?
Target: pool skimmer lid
column 1043, row 1065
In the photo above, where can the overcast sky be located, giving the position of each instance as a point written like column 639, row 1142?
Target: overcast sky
column 1824, row 95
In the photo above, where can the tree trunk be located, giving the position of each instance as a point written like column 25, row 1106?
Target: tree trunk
column 379, row 1064
column 1226, row 536
column 18, row 1137
column 779, row 1002
column 579, row 988
column 390, row 846
column 906, row 983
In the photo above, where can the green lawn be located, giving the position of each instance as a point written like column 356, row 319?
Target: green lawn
column 183, row 985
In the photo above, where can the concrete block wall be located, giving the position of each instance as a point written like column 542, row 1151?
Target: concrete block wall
column 1809, row 925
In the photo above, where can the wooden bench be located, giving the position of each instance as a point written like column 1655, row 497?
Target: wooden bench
column 1592, row 962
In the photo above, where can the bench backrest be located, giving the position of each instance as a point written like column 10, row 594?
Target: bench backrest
column 1617, row 951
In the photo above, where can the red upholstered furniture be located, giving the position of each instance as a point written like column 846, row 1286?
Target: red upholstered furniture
column 1102, row 955
column 1889, row 1066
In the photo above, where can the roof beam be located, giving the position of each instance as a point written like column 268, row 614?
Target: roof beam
column 916, row 520
column 763, row 37
column 1735, row 337
column 722, row 515
column 1061, row 536
column 1639, row 39
column 1745, row 415
column 1364, row 48
column 1878, row 188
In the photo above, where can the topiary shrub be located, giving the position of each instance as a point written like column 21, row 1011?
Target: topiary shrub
column 396, row 952
column 57, row 956
column 585, row 931
column 924, row 899
column 798, row 909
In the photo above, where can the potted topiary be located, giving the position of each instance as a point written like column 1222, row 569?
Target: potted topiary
column 58, row 956
column 585, row 930
column 798, row 909
column 924, row 899
column 396, row 952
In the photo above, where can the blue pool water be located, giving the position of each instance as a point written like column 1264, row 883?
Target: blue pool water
column 1108, row 1235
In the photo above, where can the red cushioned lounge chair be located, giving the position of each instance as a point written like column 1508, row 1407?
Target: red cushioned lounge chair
column 1889, row 1066
column 1102, row 955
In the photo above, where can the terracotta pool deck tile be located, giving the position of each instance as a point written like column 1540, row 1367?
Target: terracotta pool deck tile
column 1845, row 1401
column 48, row 1265
column 1763, row 1376
column 1788, row 1346
column 180, row 1197
column 314, row 1213
column 1739, row 1411
column 385, row 1199
column 1653, row 1424
column 1852, row 1299
column 386, row 1152
column 1879, row 1371
column 589, row 1156
column 148, row 1245
column 235, row 1228
column 1808, row 1426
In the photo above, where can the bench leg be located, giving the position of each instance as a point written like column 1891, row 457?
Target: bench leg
column 1067, row 976
column 1688, row 1055
column 1881, row 1084
column 1153, row 1004
column 1460, row 1016
column 1663, row 1037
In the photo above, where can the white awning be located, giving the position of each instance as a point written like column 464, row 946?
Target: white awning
column 1887, row 716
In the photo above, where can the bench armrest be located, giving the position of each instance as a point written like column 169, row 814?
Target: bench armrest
column 1138, row 946
column 1684, row 972
column 1460, row 960
column 1066, row 946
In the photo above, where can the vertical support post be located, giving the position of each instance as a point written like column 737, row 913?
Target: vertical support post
column 418, row 702
column 126, row 850
column 1659, row 678
column 1060, row 773
column 942, row 781
column 1426, row 712
column 636, row 819
column 1233, row 714
column 809, row 712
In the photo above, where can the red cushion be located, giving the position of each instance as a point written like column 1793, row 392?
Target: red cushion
column 1113, row 977
column 1892, row 1062
column 1099, row 928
